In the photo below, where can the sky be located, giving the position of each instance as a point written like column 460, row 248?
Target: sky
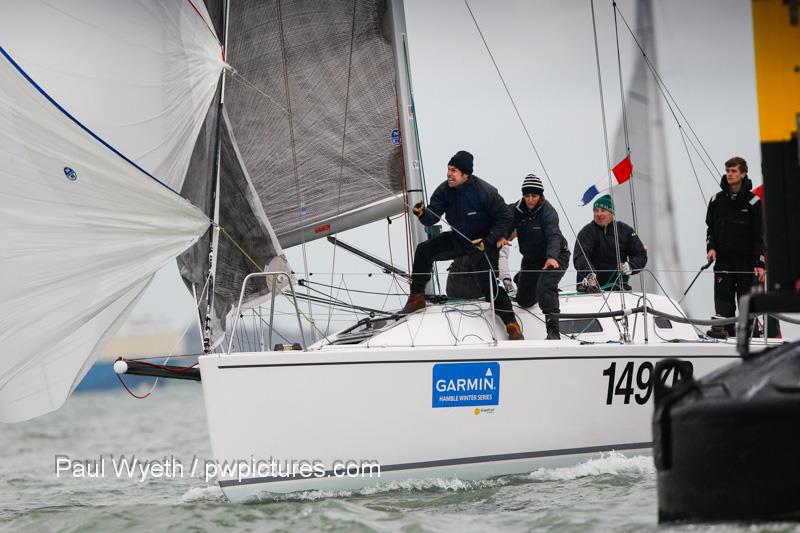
column 546, row 54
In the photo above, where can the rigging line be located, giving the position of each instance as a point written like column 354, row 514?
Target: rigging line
column 213, row 251
column 711, row 171
column 663, row 88
column 351, row 310
column 677, row 308
column 391, row 256
column 691, row 162
column 207, row 26
column 261, row 269
column 608, row 166
column 625, row 122
column 634, row 176
column 174, row 346
column 324, row 299
column 418, row 144
column 347, row 292
column 295, row 168
column 605, row 141
column 358, row 290
column 403, row 184
column 341, row 160
column 235, row 75
column 527, row 133
column 275, row 331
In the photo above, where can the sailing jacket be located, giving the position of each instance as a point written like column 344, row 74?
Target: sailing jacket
column 474, row 208
column 539, row 235
column 601, row 251
column 735, row 229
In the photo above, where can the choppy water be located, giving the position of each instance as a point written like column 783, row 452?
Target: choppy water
column 611, row 492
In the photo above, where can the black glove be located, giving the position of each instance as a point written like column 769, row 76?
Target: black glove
column 419, row 208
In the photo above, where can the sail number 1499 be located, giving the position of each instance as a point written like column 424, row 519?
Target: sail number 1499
column 633, row 382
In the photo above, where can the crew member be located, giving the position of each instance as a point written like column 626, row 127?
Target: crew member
column 479, row 219
column 734, row 241
column 595, row 257
column 545, row 252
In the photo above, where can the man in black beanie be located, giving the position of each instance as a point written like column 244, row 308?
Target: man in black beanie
column 479, row 219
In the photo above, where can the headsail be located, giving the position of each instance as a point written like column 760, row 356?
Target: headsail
column 87, row 223
column 140, row 74
column 306, row 139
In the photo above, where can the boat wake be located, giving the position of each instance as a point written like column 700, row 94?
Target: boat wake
column 430, row 485
column 610, row 463
column 204, row 494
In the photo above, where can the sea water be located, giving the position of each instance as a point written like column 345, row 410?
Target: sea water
column 61, row 473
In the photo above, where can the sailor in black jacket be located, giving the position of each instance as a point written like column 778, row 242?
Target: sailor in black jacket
column 595, row 254
column 479, row 218
column 545, row 252
column 734, row 239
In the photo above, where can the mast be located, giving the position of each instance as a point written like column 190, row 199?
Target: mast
column 212, row 253
column 412, row 160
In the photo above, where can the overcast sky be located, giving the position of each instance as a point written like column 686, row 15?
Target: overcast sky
column 545, row 50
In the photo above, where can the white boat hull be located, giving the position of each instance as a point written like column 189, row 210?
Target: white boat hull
column 555, row 403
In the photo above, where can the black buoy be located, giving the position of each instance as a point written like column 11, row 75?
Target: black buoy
column 727, row 446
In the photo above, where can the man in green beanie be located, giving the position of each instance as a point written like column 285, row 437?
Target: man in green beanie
column 595, row 256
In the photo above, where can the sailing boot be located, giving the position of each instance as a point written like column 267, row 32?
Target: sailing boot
column 514, row 332
column 415, row 302
column 551, row 323
column 720, row 332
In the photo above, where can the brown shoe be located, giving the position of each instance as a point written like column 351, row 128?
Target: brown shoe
column 415, row 303
column 514, row 332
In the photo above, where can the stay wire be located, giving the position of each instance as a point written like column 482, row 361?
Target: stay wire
column 295, row 168
column 341, row 159
column 172, row 350
column 530, row 141
column 608, row 156
column 527, row 132
column 259, row 268
column 625, row 122
column 665, row 92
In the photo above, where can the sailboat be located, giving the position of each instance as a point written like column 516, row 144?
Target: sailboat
column 219, row 140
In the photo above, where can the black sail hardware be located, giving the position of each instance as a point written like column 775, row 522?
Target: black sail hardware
column 143, row 368
column 726, row 447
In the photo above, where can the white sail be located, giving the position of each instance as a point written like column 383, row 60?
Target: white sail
column 656, row 208
column 140, row 74
column 123, row 91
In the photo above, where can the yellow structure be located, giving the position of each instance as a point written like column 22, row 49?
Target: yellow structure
column 777, row 54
